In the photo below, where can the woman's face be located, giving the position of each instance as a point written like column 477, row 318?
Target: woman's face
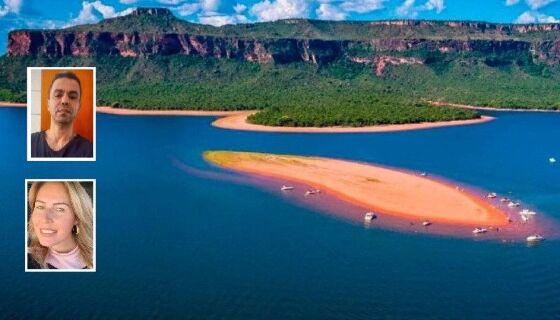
column 53, row 218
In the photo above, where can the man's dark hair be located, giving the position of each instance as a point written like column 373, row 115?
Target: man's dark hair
column 67, row 75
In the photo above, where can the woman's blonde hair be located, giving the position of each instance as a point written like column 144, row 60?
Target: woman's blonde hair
column 83, row 211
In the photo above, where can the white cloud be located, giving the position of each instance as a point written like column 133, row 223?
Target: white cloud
column 89, row 10
column 362, row 6
column 125, row 12
column 511, row 2
column 408, row 9
column 187, row 9
column 219, row 20
column 280, row 9
column 536, row 4
column 436, row 5
column 43, row 24
column 239, row 8
column 106, row 11
column 329, row 12
column 171, row 2
column 12, row 6
column 209, row 5
column 535, row 17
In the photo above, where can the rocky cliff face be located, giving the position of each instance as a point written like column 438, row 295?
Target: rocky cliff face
column 59, row 44
column 380, row 38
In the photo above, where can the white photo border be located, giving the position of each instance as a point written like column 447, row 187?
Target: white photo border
column 94, row 227
column 94, row 142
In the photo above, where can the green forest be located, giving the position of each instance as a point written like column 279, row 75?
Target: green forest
column 304, row 94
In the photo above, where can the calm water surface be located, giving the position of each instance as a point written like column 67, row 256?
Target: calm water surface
column 171, row 244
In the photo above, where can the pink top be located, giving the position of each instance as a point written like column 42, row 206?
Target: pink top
column 68, row 260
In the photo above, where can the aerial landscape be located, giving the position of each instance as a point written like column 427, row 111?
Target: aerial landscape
column 300, row 159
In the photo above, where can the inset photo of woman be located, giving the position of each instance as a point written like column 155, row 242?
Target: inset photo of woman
column 60, row 222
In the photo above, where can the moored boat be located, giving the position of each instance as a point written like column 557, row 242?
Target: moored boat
column 479, row 230
column 535, row 238
column 370, row 216
column 512, row 204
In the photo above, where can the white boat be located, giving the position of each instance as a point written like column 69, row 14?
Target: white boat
column 426, row 223
column 286, row 188
column 479, row 230
column 524, row 218
column 311, row 192
column 527, row 212
column 370, row 216
column 551, row 160
column 504, row 200
column 492, row 195
column 535, row 238
column 512, row 204
column 423, row 174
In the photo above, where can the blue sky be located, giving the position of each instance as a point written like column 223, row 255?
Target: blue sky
column 19, row 14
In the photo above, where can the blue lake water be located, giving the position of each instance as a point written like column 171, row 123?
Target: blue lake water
column 175, row 245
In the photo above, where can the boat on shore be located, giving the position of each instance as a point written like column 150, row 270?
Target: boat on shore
column 479, row 230
column 535, row 238
column 286, row 188
column 512, row 204
column 491, row 195
column 312, row 192
column 370, row 216
column 527, row 212
column 426, row 223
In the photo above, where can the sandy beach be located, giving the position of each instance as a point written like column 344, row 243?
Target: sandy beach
column 239, row 122
column 385, row 191
column 12, row 104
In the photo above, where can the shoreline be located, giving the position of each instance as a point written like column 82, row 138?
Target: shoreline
column 12, row 104
column 385, row 191
column 135, row 112
column 239, row 122
column 472, row 107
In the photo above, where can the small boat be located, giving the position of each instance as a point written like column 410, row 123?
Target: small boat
column 426, row 223
column 370, row 216
column 527, row 212
column 311, row 192
column 491, row 195
column 286, row 188
column 551, row 160
column 504, row 200
column 512, row 204
column 525, row 218
column 535, row 238
column 423, row 174
column 479, row 230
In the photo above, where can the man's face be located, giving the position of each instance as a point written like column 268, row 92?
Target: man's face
column 64, row 100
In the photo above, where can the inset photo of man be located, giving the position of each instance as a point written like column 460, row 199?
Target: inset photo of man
column 61, row 114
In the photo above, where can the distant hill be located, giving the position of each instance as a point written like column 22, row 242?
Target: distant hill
column 151, row 59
